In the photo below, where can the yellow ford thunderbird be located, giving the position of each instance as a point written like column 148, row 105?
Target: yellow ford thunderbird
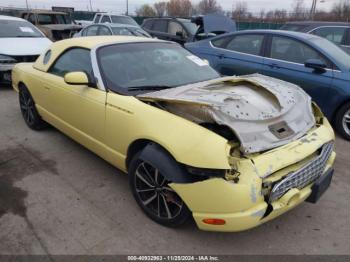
column 231, row 152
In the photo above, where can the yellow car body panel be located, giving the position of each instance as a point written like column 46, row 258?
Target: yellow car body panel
column 242, row 204
column 108, row 123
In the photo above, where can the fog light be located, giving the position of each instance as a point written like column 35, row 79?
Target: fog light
column 214, row 221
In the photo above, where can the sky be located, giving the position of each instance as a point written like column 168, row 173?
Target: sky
column 119, row 6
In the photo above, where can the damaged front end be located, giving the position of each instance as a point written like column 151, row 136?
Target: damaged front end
column 260, row 112
column 285, row 147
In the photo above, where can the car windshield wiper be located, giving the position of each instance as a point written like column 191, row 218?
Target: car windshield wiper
column 139, row 88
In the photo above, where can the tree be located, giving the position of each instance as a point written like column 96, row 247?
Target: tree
column 208, row 6
column 241, row 11
column 299, row 11
column 341, row 10
column 146, row 11
column 160, row 8
column 179, row 8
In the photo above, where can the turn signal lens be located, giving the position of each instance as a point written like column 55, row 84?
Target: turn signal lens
column 214, row 221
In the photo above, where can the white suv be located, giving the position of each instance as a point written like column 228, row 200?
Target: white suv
column 115, row 19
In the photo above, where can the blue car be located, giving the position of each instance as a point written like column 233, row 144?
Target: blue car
column 317, row 65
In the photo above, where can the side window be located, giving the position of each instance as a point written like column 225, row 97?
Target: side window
column 45, row 19
column 31, row 19
column 160, row 26
column 106, row 19
column 104, row 30
column 76, row 59
column 334, row 34
column 221, row 42
column 97, row 18
column 90, row 31
column 148, row 24
column 248, row 44
column 174, row 27
column 287, row 49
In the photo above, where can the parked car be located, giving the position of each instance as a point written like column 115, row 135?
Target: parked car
column 55, row 25
column 101, row 18
column 192, row 142
column 320, row 67
column 185, row 30
column 112, row 29
column 337, row 32
column 20, row 41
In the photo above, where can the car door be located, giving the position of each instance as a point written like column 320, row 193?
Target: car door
column 160, row 29
column 76, row 109
column 285, row 60
column 176, row 32
column 238, row 54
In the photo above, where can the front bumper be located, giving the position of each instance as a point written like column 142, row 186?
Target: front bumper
column 244, row 205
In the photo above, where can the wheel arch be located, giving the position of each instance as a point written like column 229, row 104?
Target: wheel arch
column 153, row 153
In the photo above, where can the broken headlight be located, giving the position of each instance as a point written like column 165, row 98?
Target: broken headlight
column 317, row 113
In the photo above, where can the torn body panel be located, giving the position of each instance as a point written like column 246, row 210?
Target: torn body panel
column 261, row 111
column 244, row 204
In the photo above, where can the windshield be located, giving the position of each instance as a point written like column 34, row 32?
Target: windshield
column 127, row 67
column 123, row 20
column 11, row 28
column 49, row 19
column 334, row 51
column 191, row 27
column 134, row 31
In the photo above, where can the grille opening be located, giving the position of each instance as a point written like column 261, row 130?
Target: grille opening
column 303, row 176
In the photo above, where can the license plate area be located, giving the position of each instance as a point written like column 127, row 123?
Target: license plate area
column 320, row 186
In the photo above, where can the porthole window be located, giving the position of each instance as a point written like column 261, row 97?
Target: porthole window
column 47, row 57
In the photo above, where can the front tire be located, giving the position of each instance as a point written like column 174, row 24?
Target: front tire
column 151, row 191
column 28, row 109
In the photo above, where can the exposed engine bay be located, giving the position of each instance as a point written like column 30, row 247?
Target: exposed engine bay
column 259, row 111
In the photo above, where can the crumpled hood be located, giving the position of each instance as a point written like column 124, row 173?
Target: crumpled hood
column 263, row 112
column 63, row 27
column 24, row 45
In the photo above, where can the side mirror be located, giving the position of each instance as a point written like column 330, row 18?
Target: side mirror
column 180, row 34
column 316, row 64
column 77, row 78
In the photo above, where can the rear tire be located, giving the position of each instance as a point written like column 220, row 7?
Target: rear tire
column 342, row 121
column 28, row 109
column 153, row 194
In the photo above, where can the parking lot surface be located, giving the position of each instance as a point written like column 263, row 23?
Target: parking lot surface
column 56, row 197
